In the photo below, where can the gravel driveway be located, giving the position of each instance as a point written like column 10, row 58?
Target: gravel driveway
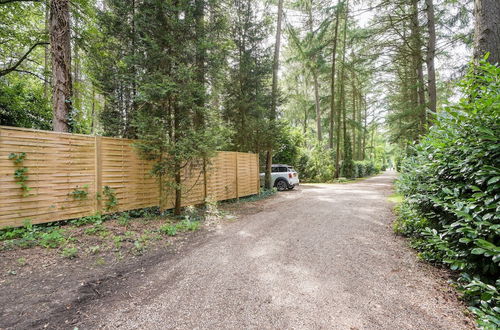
column 322, row 256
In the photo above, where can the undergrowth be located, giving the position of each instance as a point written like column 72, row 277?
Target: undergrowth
column 451, row 188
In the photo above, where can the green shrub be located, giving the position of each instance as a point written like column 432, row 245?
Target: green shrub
column 169, row 230
column 52, row 239
column 316, row 165
column 364, row 168
column 347, row 169
column 187, row 225
column 451, row 183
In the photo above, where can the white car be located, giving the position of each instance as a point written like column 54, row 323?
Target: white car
column 283, row 177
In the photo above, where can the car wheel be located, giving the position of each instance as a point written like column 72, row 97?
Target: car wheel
column 291, row 187
column 281, row 185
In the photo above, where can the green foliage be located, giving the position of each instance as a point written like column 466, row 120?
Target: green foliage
column 95, row 249
column 451, row 182
column 97, row 229
column 348, row 170
column 188, row 225
column 21, row 172
column 183, row 226
column 124, row 219
column 52, row 238
column 22, row 103
column 21, row 261
column 288, row 146
column 70, row 252
column 111, row 199
column 80, row 194
column 364, row 168
column 316, row 164
column 169, row 230
column 96, row 218
column 18, row 159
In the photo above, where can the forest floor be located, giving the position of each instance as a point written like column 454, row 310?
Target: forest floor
column 321, row 256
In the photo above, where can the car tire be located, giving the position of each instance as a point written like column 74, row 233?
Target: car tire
column 291, row 187
column 281, row 185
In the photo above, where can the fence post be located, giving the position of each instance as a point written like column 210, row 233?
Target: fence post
column 236, row 167
column 258, row 173
column 98, row 173
column 205, row 180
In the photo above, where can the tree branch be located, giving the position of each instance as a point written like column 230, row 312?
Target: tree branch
column 3, row 2
column 33, row 74
column 21, row 60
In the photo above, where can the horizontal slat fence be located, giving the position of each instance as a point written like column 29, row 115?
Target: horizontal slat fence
column 59, row 163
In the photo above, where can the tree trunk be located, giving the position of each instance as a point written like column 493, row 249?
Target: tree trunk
column 487, row 30
column 46, row 64
column 60, row 45
column 332, row 87
column 431, row 53
column 177, row 164
column 365, row 131
column 417, row 61
column 341, row 103
column 314, row 73
column 274, row 95
column 317, row 105
column 353, row 85
column 76, row 100
column 200, row 61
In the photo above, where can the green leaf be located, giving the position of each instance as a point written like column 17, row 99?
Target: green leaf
column 477, row 251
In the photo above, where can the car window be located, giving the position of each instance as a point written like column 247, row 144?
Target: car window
column 274, row 169
column 290, row 169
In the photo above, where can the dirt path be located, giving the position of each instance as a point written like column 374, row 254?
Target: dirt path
column 323, row 256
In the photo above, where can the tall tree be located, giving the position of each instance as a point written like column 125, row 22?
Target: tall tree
column 247, row 92
column 416, row 47
column 60, row 45
column 114, row 66
column 430, row 55
column 341, row 107
column 274, row 91
column 487, row 30
column 332, row 84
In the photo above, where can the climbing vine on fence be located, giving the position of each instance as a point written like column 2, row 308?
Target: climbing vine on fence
column 21, row 172
column 80, row 194
column 111, row 199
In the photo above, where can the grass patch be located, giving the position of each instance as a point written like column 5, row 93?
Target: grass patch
column 395, row 198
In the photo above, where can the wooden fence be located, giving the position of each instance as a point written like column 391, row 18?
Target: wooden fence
column 67, row 174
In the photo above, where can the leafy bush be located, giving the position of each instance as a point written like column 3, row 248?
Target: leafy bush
column 452, row 187
column 316, row 165
column 288, row 145
column 364, row 168
column 52, row 239
column 348, row 168
column 169, row 230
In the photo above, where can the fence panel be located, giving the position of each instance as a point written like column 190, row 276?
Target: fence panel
column 61, row 164
column 57, row 164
